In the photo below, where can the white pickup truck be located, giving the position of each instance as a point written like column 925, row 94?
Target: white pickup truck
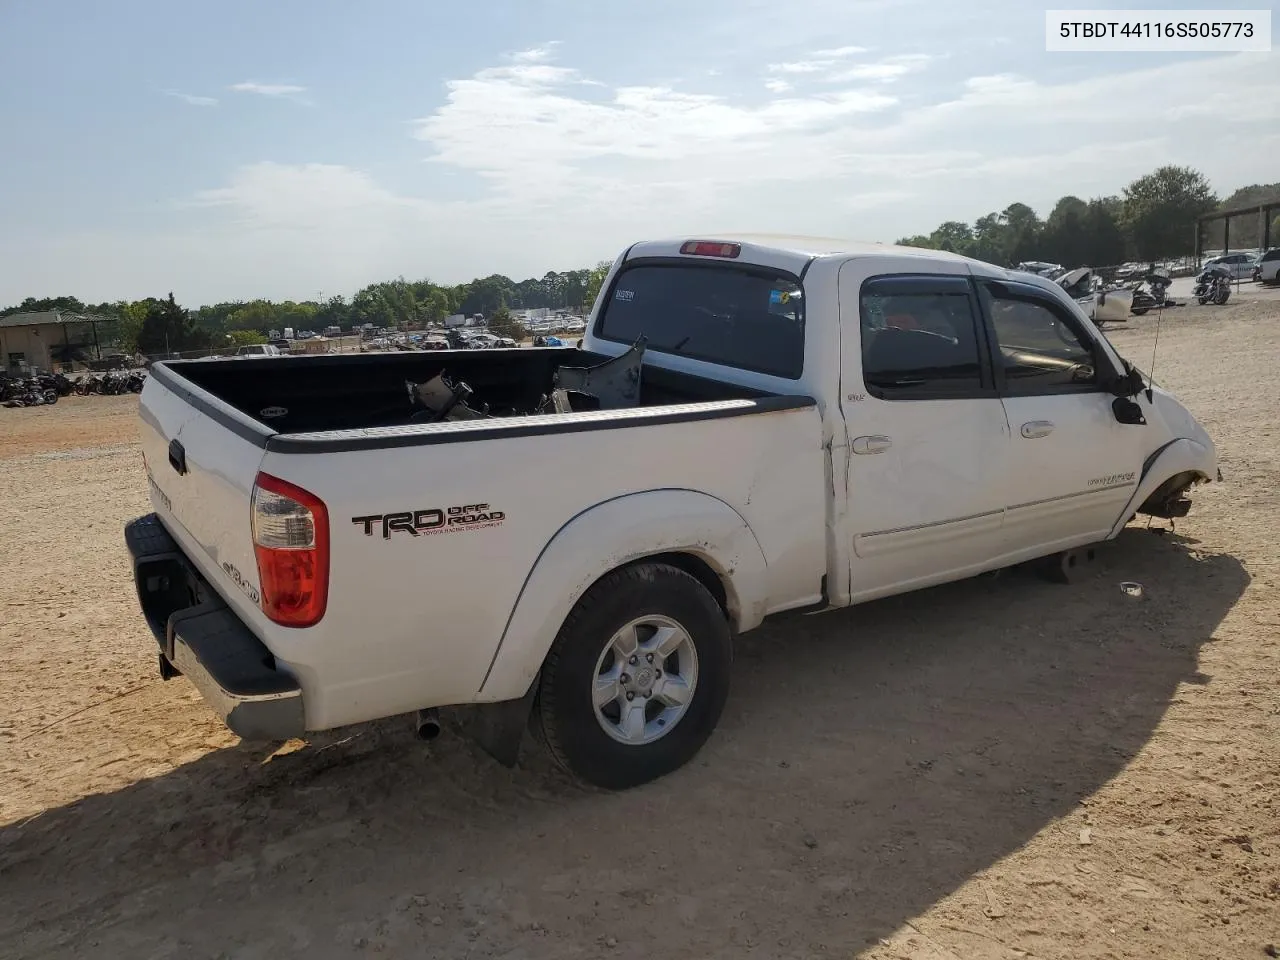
column 749, row 428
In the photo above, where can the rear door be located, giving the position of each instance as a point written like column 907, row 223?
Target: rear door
column 928, row 438
column 1072, row 466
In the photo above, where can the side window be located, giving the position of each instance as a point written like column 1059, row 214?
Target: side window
column 920, row 339
column 1039, row 347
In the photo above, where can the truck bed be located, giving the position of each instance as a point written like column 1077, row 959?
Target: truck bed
column 291, row 395
column 719, row 471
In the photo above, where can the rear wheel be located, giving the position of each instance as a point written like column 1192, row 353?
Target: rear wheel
column 637, row 677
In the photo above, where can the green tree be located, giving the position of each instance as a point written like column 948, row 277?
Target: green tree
column 952, row 236
column 245, row 338
column 595, row 280
column 486, row 295
column 257, row 315
column 990, row 240
column 1065, row 238
column 1108, row 245
column 434, row 307
column 919, row 240
column 167, row 327
column 32, row 305
column 129, row 327
column 1022, row 236
column 1160, row 211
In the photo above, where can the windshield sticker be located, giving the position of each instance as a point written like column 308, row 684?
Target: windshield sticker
column 624, row 295
column 779, row 296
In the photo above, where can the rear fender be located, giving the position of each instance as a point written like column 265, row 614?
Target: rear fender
column 607, row 536
column 1180, row 456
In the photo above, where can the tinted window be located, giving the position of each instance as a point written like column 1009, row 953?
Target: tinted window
column 1040, row 350
column 735, row 316
column 919, row 338
column 1271, row 255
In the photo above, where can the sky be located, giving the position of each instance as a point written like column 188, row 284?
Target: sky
column 293, row 149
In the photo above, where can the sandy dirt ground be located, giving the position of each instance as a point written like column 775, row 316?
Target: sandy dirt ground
column 1001, row 768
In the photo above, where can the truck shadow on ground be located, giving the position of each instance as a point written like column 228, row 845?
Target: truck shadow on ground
column 869, row 762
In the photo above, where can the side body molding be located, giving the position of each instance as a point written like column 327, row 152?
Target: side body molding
column 611, row 534
column 1178, row 456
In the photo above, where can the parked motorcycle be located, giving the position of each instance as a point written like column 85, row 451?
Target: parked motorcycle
column 27, row 392
column 1213, row 285
column 1151, row 294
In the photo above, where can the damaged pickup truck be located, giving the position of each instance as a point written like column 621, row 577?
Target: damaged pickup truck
column 571, row 539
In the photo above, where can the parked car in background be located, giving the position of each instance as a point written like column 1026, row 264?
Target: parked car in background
column 1238, row 265
column 259, row 350
column 1267, row 267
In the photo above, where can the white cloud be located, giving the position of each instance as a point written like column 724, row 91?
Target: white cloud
column 775, row 85
column 572, row 170
column 558, row 140
column 838, row 53
column 801, row 66
column 192, row 99
column 268, row 89
column 536, row 54
column 820, row 61
column 883, row 71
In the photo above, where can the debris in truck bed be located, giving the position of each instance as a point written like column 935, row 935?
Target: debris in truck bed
column 443, row 399
column 611, row 385
column 615, row 383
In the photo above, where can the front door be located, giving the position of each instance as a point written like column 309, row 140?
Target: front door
column 1072, row 466
column 928, row 438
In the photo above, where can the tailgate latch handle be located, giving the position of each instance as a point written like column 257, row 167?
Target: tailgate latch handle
column 177, row 457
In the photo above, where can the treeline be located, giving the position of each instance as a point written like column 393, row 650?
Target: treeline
column 162, row 325
column 1153, row 219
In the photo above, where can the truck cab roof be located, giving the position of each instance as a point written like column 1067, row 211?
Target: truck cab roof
column 790, row 252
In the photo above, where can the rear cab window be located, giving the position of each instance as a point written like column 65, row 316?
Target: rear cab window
column 742, row 316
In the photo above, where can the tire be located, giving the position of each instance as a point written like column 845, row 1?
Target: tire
column 1223, row 296
column 1139, row 311
column 50, row 396
column 583, row 659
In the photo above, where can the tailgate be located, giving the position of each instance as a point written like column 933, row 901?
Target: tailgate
column 201, row 460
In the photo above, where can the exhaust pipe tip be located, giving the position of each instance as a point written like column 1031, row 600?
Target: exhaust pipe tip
column 427, row 723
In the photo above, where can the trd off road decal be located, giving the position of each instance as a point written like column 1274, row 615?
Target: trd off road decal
column 472, row 516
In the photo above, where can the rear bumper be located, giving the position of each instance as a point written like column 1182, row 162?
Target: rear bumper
column 202, row 638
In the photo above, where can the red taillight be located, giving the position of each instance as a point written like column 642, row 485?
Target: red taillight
column 291, row 540
column 711, row 248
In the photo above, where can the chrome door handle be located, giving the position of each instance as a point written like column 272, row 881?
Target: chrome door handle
column 1035, row 429
column 876, row 444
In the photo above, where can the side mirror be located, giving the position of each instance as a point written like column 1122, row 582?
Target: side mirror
column 1128, row 384
column 1127, row 411
column 580, row 343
